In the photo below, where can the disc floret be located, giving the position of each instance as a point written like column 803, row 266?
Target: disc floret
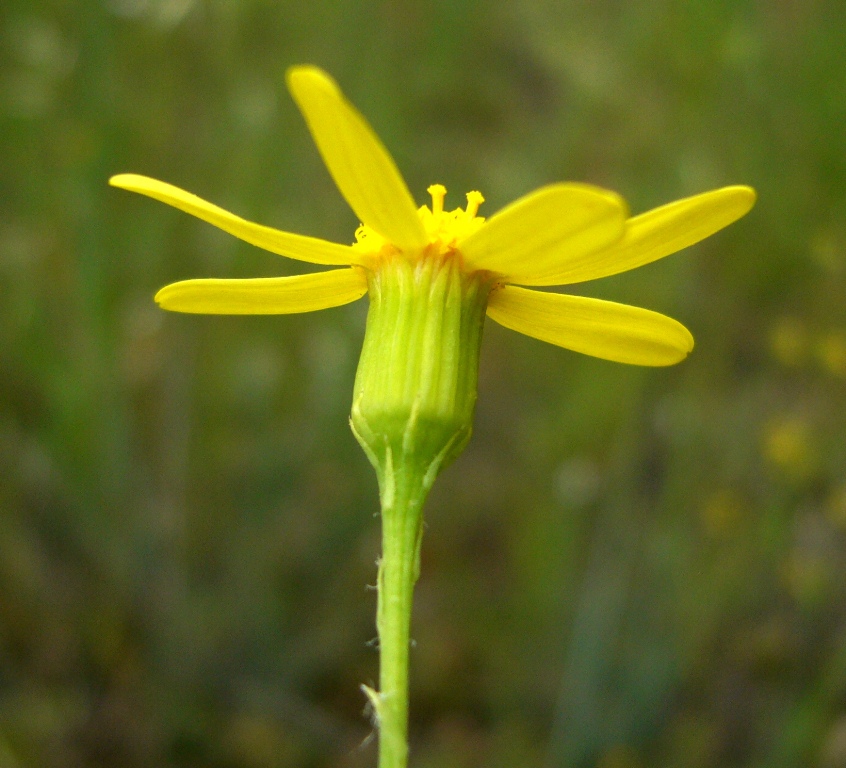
column 444, row 229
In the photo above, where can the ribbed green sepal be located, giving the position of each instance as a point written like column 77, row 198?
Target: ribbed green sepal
column 415, row 390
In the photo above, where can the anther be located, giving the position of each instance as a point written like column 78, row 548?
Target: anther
column 474, row 200
column 438, row 192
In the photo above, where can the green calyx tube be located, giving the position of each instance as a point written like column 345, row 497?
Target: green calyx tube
column 415, row 390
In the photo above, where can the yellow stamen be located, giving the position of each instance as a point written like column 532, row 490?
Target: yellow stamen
column 438, row 192
column 474, row 200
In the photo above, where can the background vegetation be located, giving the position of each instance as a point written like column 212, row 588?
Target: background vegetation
column 626, row 568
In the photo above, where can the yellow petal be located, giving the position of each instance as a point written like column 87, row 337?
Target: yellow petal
column 362, row 168
column 658, row 233
column 311, row 249
column 604, row 329
column 265, row 295
column 538, row 233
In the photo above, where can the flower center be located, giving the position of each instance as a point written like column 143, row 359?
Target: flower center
column 443, row 228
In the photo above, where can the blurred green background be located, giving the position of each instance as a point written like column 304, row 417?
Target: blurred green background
column 626, row 568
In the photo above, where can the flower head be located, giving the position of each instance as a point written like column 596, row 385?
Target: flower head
column 557, row 235
column 432, row 275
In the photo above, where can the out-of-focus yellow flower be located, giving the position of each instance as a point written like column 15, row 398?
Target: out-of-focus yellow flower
column 557, row 235
column 788, row 443
column 831, row 349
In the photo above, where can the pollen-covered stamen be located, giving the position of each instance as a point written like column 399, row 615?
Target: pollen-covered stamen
column 474, row 200
column 444, row 229
column 438, row 193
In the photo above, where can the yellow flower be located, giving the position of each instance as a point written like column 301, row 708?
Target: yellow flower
column 557, row 235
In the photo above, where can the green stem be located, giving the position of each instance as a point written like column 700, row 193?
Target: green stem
column 403, row 495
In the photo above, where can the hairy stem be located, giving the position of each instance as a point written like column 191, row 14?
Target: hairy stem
column 403, row 494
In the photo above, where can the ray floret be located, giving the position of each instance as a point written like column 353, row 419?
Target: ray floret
column 559, row 234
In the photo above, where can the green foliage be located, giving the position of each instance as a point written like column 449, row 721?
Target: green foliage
column 626, row 567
